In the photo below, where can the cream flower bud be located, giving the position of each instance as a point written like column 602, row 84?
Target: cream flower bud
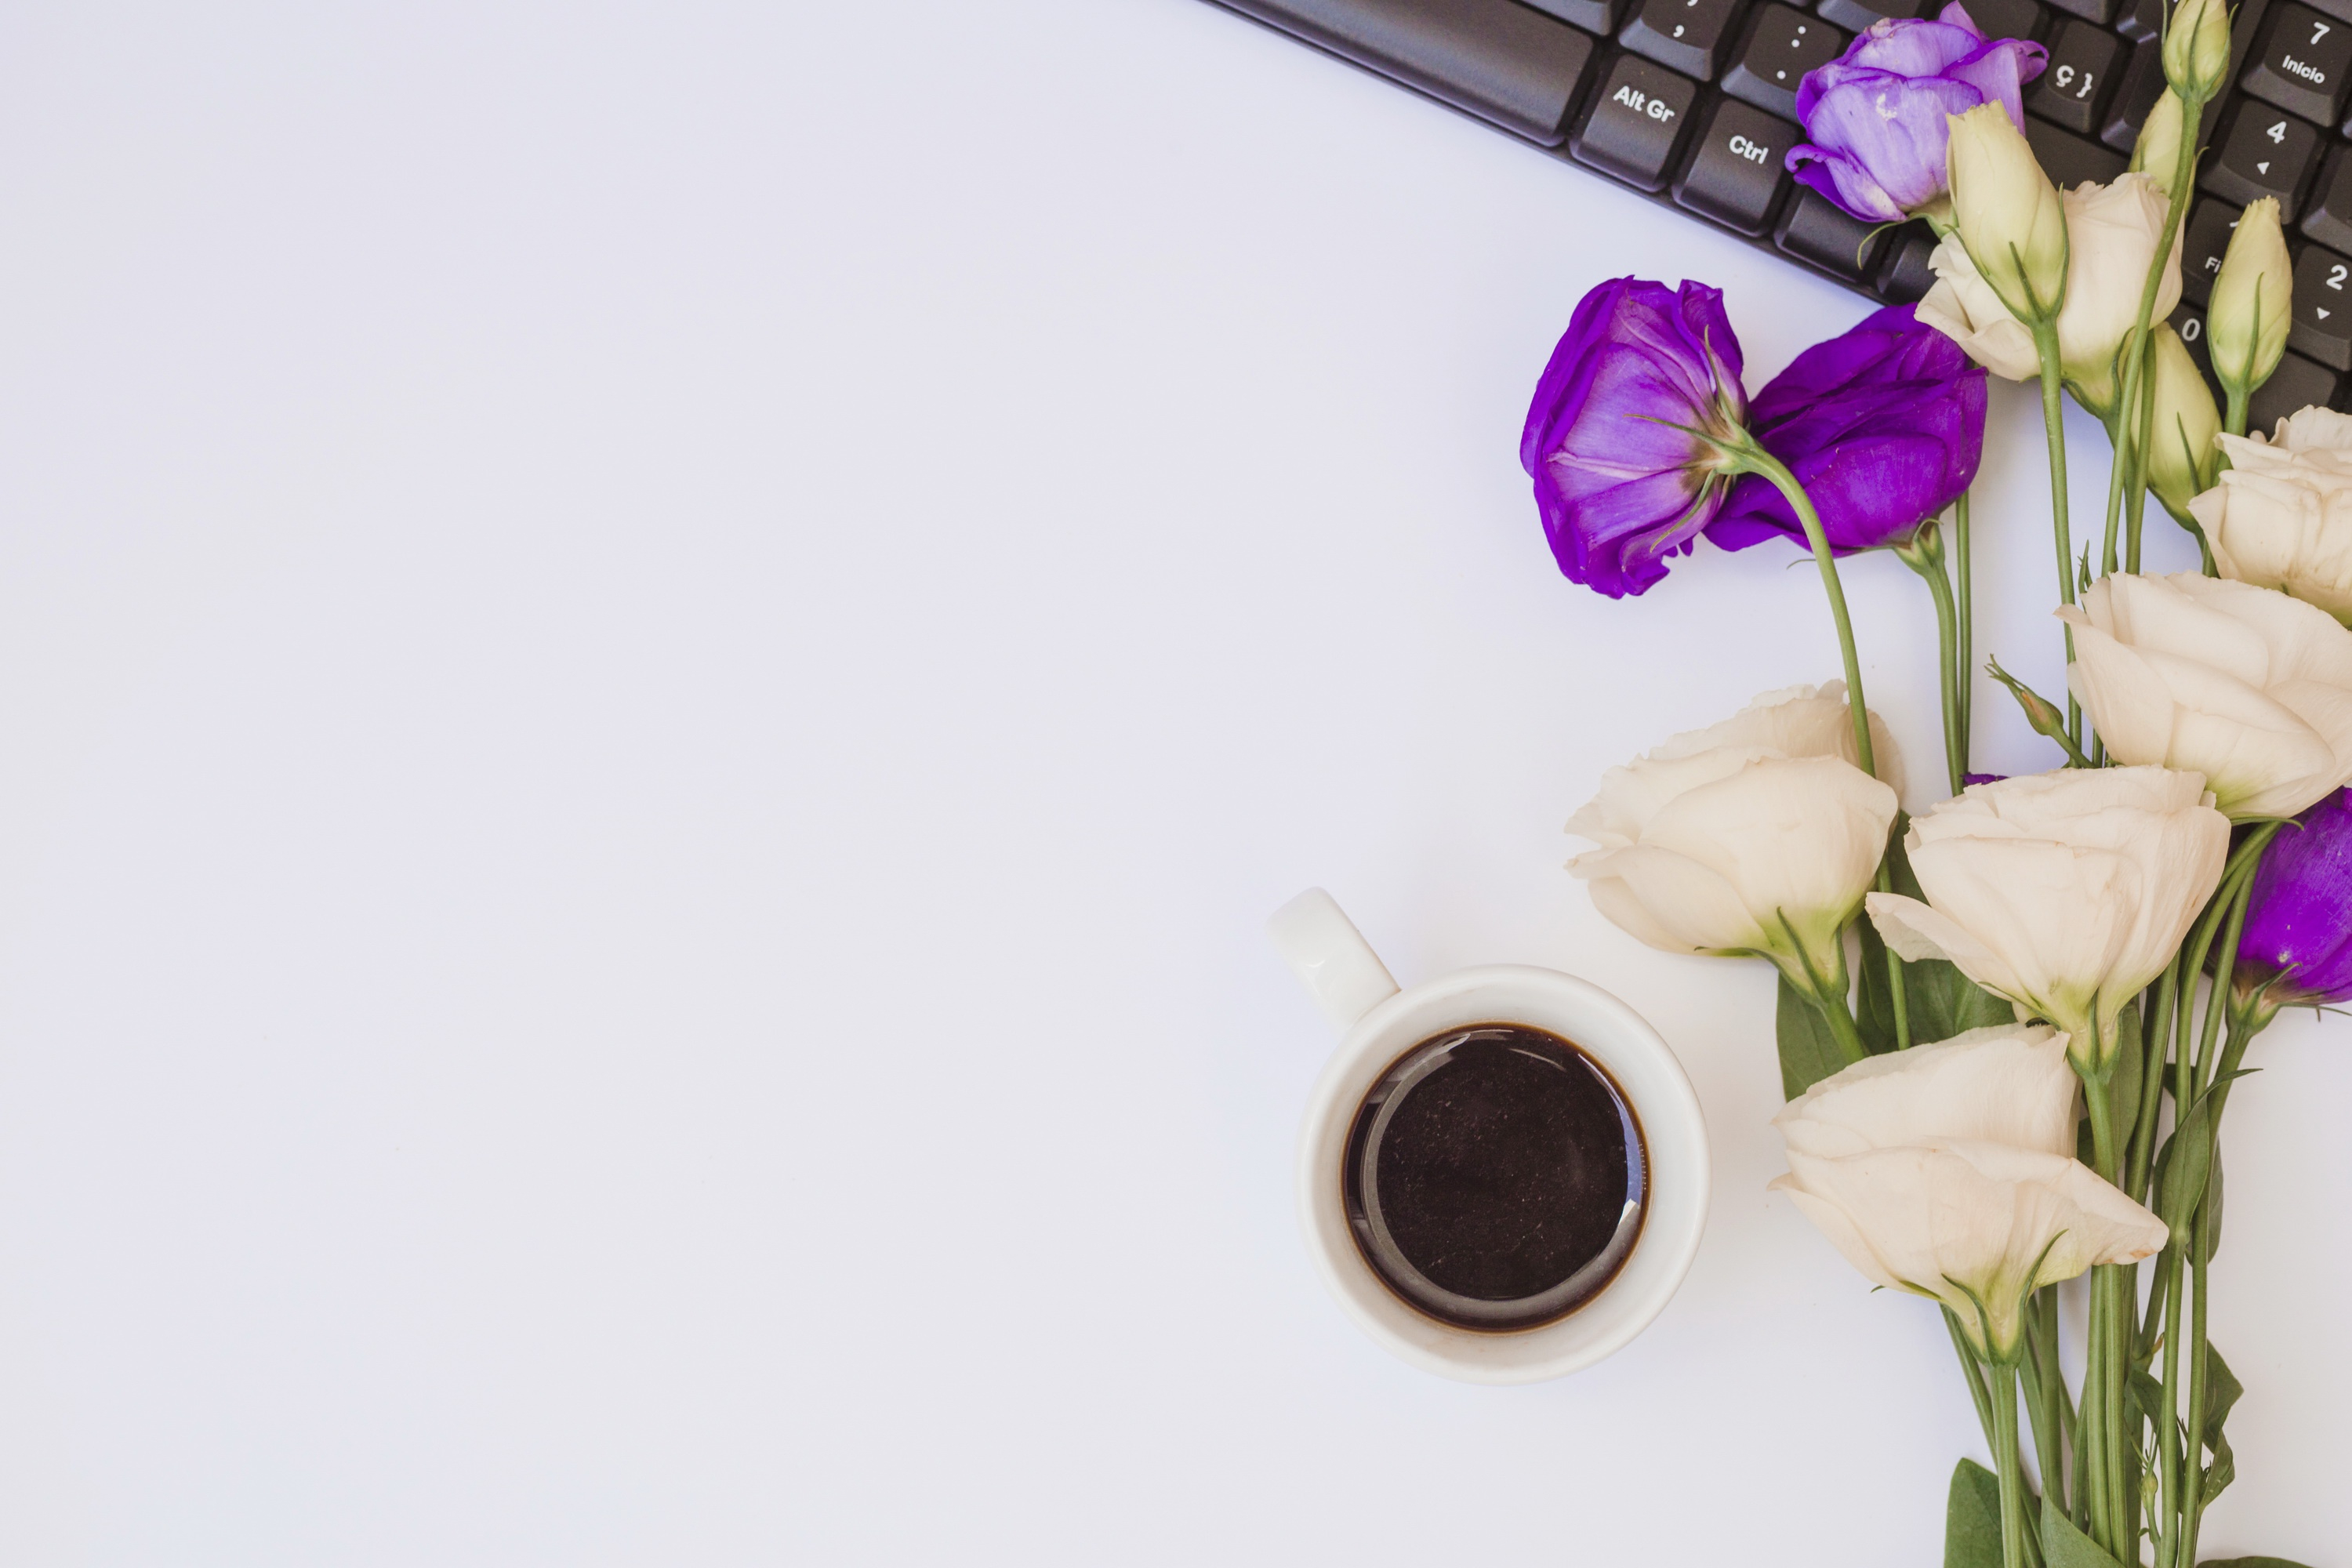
column 1945, row 1171
column 2247, row 687
column 2246, row 324
column 2115, row 229
column 2006, row 211
column 2066, row 892
column 2196, row 48
column 2157, row 154
column 1759, row 836
column 2281, row 516
column 2181, row 450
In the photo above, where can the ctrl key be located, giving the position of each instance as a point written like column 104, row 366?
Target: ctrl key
column 1635, row 122
column 1736, row 175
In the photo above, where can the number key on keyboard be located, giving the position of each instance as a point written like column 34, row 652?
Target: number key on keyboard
column 2263, row 151
column 2300, row 63
column 2295, row 385
column 2074, row 88
column 1635, row 122
column 2210, row 224
column 1782, row 46
column 2139, row 84
column 2070, row 160
column 2322, row 325
column 2143, row 21
column 1687, row 36
column 2329, row 221
column 1737, row 174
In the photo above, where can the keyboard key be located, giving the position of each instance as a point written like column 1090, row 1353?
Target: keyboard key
column 2321, row 324
column 2210, row 224
column 2300, row 63
column 2008, row 18
column 2070, row 160
column 2142, row 20
column 1635, row 122
column 1599, row 17
column 1497, row 59
column 1687, row 36
column 1782, row 45
column 2189, row 321
column 2097, row 11
column 1736, row 175
column 2074, row 88
column 2264, row 152
column 2295, row 385
column 2141, row 83
column 1853, row 15
column 2329, row 221
column 1815, row 230
column 1906, row 276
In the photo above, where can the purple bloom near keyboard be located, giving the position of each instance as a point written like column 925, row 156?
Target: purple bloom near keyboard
column 1694, row 104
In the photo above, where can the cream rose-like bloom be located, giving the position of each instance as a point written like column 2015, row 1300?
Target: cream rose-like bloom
column 1758, row 836
column 2247, row 686
column 2066, row 892
column 1946, row 1171
column 2111, row 232
column 2281, row 516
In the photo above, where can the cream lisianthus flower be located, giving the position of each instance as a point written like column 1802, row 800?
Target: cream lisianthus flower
column 2112, row 232
column 1946, row 1171
column 2281, row 515
column 2249, row 688
column 1758, row 836
column 2007, row 1084
column 2066, row 892
column 1978, row 1226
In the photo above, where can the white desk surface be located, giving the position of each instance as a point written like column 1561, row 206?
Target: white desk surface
column 657, row 663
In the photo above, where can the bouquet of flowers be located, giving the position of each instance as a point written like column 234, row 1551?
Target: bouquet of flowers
column 2009, row 1028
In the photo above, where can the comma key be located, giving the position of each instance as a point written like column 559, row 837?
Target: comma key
column 2321, row 324
column 1782, row 45
column 2301, row 62
column 1635, row 122
column 1736, row 175
column 1687, row 36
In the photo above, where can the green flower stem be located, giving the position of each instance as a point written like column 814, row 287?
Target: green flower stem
column 2003, row 1381
column 1751, row 457
column 2141, row 1153
column 2169, row 1459
column 2139, row 347
column 1924, row 555
column 2046, row 1392
column 1968, row 622
column 1971, row 1373
column 2192, row 1484
column 1834, row 1009
column 2233, row 418
column 2053, row 430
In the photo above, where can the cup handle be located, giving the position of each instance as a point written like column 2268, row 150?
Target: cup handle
column 1330, row 957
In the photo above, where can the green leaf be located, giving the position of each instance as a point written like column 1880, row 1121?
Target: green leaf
column 2186, row 1161
column 2214, row 1186
column 2063, row 1546
column 1875, row 998
column 1809, row 1052
column 2223, row 1391
column 2123, row 1083
column 1972, row 1519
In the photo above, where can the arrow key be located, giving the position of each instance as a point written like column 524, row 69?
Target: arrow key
column 2264, row 152
column 2322, row 326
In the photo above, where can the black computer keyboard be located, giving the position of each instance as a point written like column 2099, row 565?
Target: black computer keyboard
column 1693, row 103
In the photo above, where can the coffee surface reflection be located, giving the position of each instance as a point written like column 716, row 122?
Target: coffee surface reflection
column 1496, row 1177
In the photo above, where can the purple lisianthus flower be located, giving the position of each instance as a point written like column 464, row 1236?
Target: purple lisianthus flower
column 1620, row 477
column 1874, row 117
column 2298, row 934
column 1883, row 427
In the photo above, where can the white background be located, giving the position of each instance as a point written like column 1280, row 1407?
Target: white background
column 656, row 663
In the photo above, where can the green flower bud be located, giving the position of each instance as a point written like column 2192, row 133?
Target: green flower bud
column 2181, row 456
column 2196, row 48
column 2246, row 324
column 2007, row 212
column 2156, row 155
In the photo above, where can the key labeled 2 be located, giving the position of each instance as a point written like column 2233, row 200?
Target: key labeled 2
column 2321, row 324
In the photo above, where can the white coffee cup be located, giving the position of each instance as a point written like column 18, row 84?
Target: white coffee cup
column 1381, row 1025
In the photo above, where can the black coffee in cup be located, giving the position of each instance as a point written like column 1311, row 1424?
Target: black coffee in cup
column 1496, row 1177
